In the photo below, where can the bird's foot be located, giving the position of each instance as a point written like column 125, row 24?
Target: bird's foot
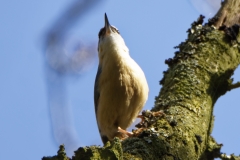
column 125, row 133
column 141, row 117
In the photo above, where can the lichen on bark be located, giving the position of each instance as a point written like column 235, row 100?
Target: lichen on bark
column 197, row 76
column 111, row 151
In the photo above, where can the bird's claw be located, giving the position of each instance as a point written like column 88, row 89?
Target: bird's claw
column 124, row 132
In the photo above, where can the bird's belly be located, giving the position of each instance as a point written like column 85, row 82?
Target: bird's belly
column 122, row 96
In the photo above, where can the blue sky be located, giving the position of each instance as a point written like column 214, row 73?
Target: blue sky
column 150, row 30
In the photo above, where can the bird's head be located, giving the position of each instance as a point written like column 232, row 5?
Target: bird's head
column 109, row 36
column 107, row 30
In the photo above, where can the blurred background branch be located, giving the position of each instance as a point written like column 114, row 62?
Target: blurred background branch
column 208, row 8
column 66, row 57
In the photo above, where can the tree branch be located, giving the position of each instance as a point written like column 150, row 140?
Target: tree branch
column 229, row 13
column 234, row 86
column 197, row 76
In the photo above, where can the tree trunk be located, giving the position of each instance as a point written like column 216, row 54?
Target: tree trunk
column 197, row 76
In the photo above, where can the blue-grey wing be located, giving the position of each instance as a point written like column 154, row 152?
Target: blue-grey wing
column 96, row 98
column 96, row 89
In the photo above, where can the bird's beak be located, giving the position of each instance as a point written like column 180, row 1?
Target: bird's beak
column 107, row 25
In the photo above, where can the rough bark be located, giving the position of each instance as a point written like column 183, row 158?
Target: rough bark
column 229, row 13
column 198, row 74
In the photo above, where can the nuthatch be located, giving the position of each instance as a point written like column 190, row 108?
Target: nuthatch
column 121, row 88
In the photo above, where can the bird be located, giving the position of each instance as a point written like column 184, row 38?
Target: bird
column 121, row 89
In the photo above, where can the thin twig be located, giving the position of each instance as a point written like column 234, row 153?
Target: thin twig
column 234, row 86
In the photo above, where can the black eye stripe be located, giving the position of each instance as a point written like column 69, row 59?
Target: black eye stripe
column 101, row 32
